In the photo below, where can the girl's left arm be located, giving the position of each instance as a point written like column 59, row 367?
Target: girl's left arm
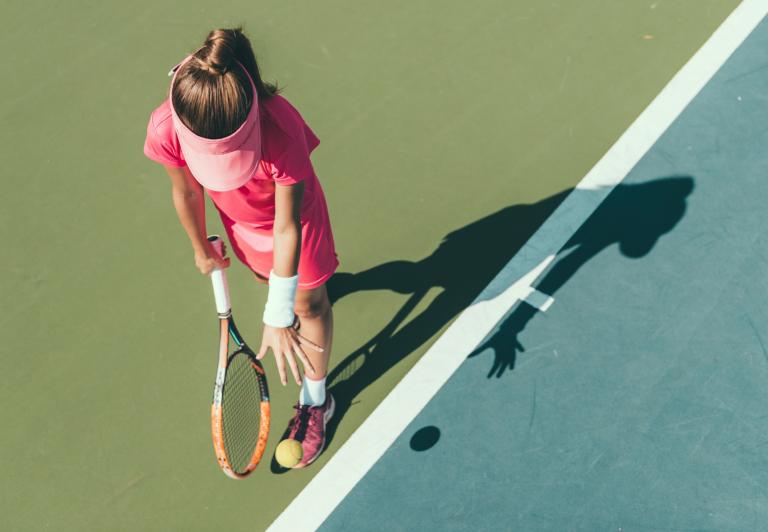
column 287, row 229
column 285, row 342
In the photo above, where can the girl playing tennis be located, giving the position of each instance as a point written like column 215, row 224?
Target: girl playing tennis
column 226, row 132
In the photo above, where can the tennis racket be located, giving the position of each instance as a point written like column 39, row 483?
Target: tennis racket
column 240, row 410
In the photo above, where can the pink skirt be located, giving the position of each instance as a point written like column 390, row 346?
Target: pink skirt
column 252, row 245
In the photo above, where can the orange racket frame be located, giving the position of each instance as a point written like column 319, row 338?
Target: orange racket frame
column 227, row 330
column 217, row 427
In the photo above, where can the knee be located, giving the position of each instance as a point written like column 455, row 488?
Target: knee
column 313, row 308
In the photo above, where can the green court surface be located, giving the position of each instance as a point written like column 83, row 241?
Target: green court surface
column 431, row 117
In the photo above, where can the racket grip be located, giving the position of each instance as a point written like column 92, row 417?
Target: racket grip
column 219, row 281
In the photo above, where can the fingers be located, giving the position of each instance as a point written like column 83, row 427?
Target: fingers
column 281, row 369
column 225, row 262
column 495, row 367
column 286, row 348
column 294, row 367
column 309, row 343
column 263, row 351
column 207, row 267
column 282, row 353
column 302, row 356
column 217, row 264
column 219, row 260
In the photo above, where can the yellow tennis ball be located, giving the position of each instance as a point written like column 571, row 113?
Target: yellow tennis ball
column 289, row 453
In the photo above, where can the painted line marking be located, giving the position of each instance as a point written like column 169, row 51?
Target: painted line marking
column 539, row 300
column 522, row 289
column 377, row 433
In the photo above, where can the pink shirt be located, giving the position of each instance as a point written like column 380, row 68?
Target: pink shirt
column 248, row 212
column 287, row 142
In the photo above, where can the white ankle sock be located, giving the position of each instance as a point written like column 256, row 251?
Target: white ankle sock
column 312, row 392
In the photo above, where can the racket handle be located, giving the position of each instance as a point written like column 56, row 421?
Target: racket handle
column 219, row 280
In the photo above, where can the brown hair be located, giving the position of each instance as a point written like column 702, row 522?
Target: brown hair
column 212, row 94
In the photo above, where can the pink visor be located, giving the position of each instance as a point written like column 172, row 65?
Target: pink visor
column 226, row 163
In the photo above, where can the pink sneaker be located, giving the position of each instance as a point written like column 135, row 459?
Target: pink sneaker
column 308, row 427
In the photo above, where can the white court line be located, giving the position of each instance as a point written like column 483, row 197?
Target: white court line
column 369, row 442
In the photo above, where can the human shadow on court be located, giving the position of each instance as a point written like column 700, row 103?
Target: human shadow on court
column 633, row 216
column 465, row 262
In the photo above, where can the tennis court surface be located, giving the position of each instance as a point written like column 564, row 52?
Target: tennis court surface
column 549, row 312
column 625, row 390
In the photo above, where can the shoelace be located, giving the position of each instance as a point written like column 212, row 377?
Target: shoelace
column 305, row 417
column 301, row 417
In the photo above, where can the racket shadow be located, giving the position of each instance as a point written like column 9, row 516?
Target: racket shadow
column 464, row 263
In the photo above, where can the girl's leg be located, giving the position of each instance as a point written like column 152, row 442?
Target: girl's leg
column 316, row 318
column 315, row 406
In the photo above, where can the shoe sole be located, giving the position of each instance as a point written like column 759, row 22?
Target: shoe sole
column 326, row 418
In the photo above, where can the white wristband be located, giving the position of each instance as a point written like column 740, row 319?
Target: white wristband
column 281, row 299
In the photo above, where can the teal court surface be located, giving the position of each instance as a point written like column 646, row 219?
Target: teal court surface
column 620, row 377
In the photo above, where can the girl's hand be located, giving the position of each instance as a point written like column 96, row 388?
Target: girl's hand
column 209, row 260
column 285, row 343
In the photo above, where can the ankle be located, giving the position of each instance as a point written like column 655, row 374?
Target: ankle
column 312, row 392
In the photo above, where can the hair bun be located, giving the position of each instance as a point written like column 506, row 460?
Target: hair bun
column 211, row 93
column 220, row 50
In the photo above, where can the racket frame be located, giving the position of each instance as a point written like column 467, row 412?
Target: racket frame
column 228, row 331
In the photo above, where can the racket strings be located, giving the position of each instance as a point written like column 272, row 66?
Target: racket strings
column 241, row 411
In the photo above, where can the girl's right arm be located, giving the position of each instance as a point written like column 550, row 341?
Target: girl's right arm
column 189, row 201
